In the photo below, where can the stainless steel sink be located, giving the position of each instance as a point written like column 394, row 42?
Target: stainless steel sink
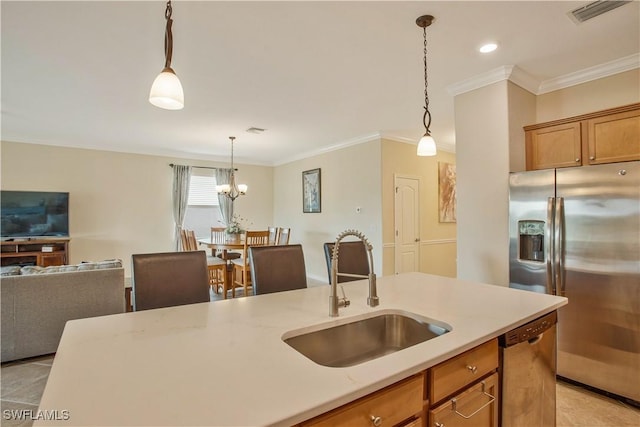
column 365, row 339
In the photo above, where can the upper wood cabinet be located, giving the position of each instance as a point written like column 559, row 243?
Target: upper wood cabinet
column 602, row 137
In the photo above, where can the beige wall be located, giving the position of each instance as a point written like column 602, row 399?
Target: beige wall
column 482, row 152
column 522, row 111
column 120, row 203
column 350, row 178
column 609, row 92
column 490, row 143
column 438, row 240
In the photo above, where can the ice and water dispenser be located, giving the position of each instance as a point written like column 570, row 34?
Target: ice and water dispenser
column 531, row 236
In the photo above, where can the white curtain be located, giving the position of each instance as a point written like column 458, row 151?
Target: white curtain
column 223, row 176
column 181, row 181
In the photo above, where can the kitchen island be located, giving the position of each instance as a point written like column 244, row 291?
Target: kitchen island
column 224, row 363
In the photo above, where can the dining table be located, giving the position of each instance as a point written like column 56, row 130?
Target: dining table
column 230, row 242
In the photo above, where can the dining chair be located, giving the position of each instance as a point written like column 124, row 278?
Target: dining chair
column 283, row 236
column 241, row 267
column 169, row 279
column 277, row 268
column 219, row 235
column 273, row 235
column 216, row 267
column 352, row 259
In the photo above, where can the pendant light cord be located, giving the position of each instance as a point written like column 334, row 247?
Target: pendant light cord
column 168, row 37
column 426, row 96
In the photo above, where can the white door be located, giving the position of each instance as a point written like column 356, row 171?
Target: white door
column 407, row 224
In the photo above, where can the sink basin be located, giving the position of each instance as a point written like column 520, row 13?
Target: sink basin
column 365, row 339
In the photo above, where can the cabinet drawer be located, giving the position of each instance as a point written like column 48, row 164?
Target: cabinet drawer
column 454, row 374
column 477, row 406
column 393, row 405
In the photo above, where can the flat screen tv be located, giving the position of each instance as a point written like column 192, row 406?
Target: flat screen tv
column 34, row 214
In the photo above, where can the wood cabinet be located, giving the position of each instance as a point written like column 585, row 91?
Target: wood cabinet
column 41, row 252
column 476, row 406
column 463, row 390
column 602, row 137
column 401, row 404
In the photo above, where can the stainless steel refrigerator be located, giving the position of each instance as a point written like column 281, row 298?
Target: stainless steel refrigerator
column 575, row 232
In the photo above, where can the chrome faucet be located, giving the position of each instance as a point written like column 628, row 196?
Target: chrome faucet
column 334, row 301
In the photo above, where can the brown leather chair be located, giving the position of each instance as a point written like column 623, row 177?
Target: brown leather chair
column 168, row 279
column 352, row 259
column 277, row 268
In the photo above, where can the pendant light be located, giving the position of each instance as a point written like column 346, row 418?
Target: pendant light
column 232, row 190
column 427, row 145
column 166, row 90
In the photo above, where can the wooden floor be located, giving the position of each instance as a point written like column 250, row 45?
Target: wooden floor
column 23, row 383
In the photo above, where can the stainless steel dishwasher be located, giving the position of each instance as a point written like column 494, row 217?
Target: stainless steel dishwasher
column 528, row 374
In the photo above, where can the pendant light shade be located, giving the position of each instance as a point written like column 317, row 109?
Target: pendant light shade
column 426, row 145
column 166, row 90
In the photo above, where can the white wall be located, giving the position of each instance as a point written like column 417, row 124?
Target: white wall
column 120, row 203
column 350, row 178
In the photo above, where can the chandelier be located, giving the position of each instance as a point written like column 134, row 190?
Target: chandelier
column 166, row 90
column 232, row 190
column 427, row 145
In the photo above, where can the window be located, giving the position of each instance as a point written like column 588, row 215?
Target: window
column 203, row 211
column 202, row 191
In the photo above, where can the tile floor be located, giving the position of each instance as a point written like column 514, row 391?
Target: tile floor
column 23, row 383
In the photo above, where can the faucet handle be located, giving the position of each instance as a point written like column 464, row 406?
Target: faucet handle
column 343, row 302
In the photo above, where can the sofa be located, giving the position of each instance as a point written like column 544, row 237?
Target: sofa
column 37, row 302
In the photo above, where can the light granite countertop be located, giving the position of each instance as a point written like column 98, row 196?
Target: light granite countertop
column 224, row 363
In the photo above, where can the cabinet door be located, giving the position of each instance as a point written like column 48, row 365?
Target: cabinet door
column 53, row 258
column 477, row 406
column 391, row 406
column 614, row 138
column 554, row 147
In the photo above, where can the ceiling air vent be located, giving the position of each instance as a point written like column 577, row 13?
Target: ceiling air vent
column 594, row 9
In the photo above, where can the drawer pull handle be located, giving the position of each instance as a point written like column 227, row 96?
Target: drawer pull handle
column 439, row 424
column 376, row 421
column 472, row 369
column 466, row 417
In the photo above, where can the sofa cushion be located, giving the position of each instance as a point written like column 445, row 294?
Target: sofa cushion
column 84, row 266
column 10, row 270
column 31, row 269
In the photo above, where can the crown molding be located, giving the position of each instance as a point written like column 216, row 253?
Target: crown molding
column 339, row 146
column 607, row 69
column 481, row 80
column 518, row 76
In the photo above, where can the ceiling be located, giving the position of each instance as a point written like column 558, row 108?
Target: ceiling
column 315, row 75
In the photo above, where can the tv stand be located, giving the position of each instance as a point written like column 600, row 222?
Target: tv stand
column 42, row 251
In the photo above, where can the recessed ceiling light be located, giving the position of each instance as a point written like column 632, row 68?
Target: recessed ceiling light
column 489, row 47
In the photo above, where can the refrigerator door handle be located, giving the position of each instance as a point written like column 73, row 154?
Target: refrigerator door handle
column 559, row 246
column 550, row 246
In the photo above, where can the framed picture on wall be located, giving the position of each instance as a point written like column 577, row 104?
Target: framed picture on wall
column 311, row 191
column 446, row 192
